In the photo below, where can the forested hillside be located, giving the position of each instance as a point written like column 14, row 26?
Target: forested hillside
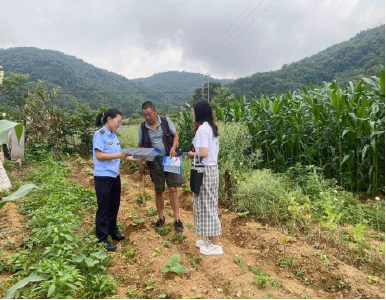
column 362, row 55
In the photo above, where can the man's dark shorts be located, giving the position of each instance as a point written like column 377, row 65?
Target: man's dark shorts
column 158, row 176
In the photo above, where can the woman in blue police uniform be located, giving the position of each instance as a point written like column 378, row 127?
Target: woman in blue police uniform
column 107, row 156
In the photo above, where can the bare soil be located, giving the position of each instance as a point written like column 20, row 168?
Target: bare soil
column 244, row 239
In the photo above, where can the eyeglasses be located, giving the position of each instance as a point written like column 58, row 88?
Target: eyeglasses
column 118, row 121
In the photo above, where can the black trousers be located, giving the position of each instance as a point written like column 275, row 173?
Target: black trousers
column 108, row 192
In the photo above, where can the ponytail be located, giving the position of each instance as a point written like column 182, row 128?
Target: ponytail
column 98, row 121
column 102, row 117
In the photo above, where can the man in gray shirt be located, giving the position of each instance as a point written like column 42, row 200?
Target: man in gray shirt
column 159, row 132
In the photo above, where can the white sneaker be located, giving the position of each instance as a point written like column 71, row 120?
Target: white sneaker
column 201, row 243
column 210, row 249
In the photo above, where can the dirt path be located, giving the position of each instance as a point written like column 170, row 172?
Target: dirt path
column 243, row 240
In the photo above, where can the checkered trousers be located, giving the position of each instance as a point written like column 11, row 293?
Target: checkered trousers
column 206, row 220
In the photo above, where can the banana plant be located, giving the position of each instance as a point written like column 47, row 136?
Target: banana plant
column 5, row 127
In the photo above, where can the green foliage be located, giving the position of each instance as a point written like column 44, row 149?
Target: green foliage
column 167, row 245
column 285, row 261
column 262, row 278
column 21, row 192
column 178, row 237
column 173, row 265
column 71, row 263
column 130, row 254
column 195, row 262
column 6, row 126
column 360, row 56
column 341, row 131
column 264, row 194
column 202, row 93
column 239, row 261
column 151, row 212
column 164, row 230
column 128, row 137
column 324, row 258
column 298, row 272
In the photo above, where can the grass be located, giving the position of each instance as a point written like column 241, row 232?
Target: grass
column 164, row 230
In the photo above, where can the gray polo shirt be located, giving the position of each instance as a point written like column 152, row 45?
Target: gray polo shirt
column 156, row 135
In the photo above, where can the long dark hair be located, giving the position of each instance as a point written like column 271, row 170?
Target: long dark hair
column 204, row 113
column 112, row 113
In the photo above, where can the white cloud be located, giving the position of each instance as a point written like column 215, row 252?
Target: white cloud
column 140, row 37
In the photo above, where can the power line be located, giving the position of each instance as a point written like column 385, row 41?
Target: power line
column 250, row 23
column 242, row 22
column 234, row 22
column 214, row 46
column 122, row 93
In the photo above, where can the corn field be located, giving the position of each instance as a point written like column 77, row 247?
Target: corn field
column 341, row 131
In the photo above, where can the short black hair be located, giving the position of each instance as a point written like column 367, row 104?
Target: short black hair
column 148, row 104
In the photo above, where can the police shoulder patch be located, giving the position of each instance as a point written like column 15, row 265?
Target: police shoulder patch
column 110, row 143
column 102, row 131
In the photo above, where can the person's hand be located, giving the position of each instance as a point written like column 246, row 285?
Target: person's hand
column 123, row 155
column 191, row 154
column 172, row 152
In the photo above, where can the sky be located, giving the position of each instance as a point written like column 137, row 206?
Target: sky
column 225, row 38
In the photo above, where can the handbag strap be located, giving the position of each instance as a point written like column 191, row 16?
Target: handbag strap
column 194, row 158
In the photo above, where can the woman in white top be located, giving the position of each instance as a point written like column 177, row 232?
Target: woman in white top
column 205, row 205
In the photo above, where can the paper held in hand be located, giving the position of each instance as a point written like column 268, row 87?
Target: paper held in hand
column 139, row 153
column 172, row 164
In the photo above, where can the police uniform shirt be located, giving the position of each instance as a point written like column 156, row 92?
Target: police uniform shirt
column 107, row 142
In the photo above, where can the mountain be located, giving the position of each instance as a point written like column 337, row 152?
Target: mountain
column 362, row 55
column 176, row 87
column 85, row 83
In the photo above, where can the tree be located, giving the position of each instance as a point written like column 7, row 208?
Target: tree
column 222, row 96
column 198, row 92
column 15, row 91
column 46, row 120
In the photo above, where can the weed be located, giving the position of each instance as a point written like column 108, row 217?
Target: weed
column 173, row 265
column 151, row 212
column 298, row 272
column 133, row 294
column 262, row 278
column 341, row 283
column 167, row 245
column 164, row 230
column 285, row 261
column 138, row 221
column 156, row 252
column 189, row 226
column 170, row 214
column 130, row 254
column 178, row 237
column 242, row 214
column 306, row 281
column 195, row 262
column 239, row 261
column 324, row 258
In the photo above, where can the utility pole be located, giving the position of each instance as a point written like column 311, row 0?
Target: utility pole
column 202, row 86
column 1, row 75
column 207, row 74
